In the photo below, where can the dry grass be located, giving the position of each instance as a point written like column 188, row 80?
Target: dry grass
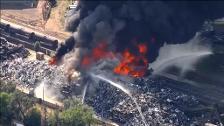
column 58, row 12
column 57, row 18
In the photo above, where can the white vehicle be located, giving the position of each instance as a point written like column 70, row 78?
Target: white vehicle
column 74, row 5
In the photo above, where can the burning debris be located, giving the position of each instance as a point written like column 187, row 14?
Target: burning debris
column 134, row 65
column 28, row 74
column 158, row 103
column 98, row 53
column 122, row 38
column 118, row 22
column 107, row 38
column 129, row 63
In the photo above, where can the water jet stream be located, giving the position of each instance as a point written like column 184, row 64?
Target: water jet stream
column 84, row 93
column 119, row 86
column 158, row 67
column 184, row 56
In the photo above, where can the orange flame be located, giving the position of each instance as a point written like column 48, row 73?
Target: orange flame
column 133, row 65
column 130, row 64
column 99, row 52
column 52, row 61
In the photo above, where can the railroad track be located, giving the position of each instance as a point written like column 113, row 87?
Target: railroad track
column 28, row 39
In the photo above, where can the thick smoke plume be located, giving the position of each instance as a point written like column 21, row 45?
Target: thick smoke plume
column 120, row 23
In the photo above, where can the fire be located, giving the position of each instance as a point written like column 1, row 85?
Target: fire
column 142, row 48
column 134, row 65
column 99, row 52
column 52, row 61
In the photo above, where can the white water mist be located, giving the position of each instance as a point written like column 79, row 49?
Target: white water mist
column 47, row 93
column 84, row 93
column 183, row 56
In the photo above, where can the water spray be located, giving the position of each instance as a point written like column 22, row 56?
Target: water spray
column 125, row 90
column 84, row 92
column 183, row 56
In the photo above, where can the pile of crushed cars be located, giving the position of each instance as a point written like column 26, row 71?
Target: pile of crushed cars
column 9, row 51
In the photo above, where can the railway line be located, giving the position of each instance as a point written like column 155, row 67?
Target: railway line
column 15, row 35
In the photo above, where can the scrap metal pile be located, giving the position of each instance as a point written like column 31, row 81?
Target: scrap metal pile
column 160, row 105
column 9, row 51
column 30, row 73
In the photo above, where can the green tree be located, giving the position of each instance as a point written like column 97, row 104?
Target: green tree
column 8, row 87
column 21, row 103
column 37, row 46
column 5, row 107
column 33, row 118
column 14, row 104
column 53, row 119
column 71, row 102
column 77, row 116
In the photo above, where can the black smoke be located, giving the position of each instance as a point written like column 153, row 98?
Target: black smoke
column 65, row 47
column 122, row 22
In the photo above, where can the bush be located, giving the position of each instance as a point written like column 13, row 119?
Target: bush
column 53, row 119
column 8, row 87
column 33, row 118
column 5, row 108
column 78, row 115
column 74, row 114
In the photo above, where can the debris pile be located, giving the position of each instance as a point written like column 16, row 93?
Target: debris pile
column 9, row 51
column 30, row 73
column 160, row 105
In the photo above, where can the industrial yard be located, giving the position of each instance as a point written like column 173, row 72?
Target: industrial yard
column 78, row 63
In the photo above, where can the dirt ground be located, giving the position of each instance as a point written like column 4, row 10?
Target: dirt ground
column 27, row 16
column 56, row 20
